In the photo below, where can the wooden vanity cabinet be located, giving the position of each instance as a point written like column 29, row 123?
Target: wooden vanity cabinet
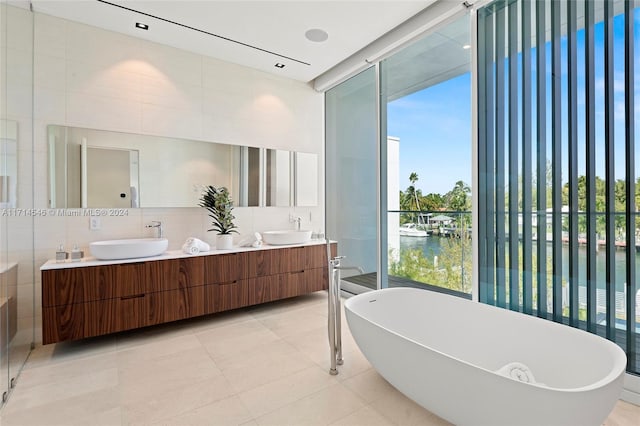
column 89, row 301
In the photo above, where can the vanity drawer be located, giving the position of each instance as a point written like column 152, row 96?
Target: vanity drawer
column 265, row 289
column 124, row 313
column 224, row 268
column 262, row 263
column 183, row 273
column 226, row 296
column 303, row 281
column 77, row 285
column 183, row 303
column 137, row 278
column 65, row 322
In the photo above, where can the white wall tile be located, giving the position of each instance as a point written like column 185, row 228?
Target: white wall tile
column 162, row 91
column 100, row 48
column 19, row 29
column 161, row 120
column 50, row 104
column 115, row 81
column 174, row 64
column 50, row 72
column 103, row 113
column 50, row 36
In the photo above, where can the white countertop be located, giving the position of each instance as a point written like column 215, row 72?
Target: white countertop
column 169, row 254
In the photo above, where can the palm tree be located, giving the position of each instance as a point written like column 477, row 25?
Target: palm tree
column 413, row 193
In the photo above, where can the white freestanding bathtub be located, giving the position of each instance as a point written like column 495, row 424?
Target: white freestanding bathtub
column 474, row 364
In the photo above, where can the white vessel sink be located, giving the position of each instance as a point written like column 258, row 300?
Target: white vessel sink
column 129, row 248
column 286, row 237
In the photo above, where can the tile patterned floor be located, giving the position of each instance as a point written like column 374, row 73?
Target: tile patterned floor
column 265, row 365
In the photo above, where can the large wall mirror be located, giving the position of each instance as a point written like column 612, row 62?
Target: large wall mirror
column 9, row 163
column 96, row 169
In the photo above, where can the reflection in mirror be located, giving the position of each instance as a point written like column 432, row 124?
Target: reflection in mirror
column 111, row 177
column 97, row 169
column 249, row 179
column 9, row 163
column 306, row 178
column 278, row 178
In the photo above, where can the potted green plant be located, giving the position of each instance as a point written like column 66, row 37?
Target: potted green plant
column 218, row 202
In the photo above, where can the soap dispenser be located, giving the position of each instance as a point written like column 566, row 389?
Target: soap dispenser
column 61, row 255
column 76, row 254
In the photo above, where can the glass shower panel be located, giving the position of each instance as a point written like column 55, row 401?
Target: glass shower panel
column 4, row 325
column 17, row 215
column 352, row 177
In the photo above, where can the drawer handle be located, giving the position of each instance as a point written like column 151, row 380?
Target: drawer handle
column 135, row 296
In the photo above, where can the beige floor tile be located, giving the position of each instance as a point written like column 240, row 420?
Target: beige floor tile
column 288, row 305
column 263, row 365
column 52, row 373
column 178, row 401
column 149, row 335
column 366, row 416
column 402, row 411
column 143, row 353
column 70, row 351
column 271, row 396
column 95, row 408
column 321, row 408
column 294, row 322
column 315, row 344
column 159, row 375
column 208, row 322
column 234, row 339
column 369, row 385
column 624, row 414
column 62, row 390
column 226, row 412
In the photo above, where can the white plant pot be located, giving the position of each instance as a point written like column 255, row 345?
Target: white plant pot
column 224, row 242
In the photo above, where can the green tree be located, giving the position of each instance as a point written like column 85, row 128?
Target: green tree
column 433, row 202
column 459, row 198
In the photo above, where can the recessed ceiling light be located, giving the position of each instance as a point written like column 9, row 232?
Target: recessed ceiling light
column 279, row 65
column 142, row 26
column 316, row 35
column 466, row 46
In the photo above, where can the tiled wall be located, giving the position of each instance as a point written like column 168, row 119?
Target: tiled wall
column 87, row 77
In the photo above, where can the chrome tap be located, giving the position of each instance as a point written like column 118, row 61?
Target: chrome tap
column 297, row 220
column 157, row 224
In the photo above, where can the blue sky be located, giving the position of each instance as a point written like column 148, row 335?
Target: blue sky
column 434, row 124
column 434, row 127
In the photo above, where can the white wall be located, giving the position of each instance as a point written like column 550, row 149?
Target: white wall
column 92, row 78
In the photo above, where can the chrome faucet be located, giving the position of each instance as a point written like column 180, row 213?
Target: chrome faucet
column 157, row 224
column 297, row 220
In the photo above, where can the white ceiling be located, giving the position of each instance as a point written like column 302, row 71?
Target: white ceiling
column 275, row 29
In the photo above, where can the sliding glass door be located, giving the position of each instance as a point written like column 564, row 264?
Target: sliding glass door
column 426, row 110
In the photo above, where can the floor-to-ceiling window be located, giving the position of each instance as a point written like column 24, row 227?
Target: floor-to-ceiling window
column 399, row 171
column 426, row 110
column 557, row 163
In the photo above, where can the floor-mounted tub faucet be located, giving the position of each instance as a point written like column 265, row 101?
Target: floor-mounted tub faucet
column 157, row 224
